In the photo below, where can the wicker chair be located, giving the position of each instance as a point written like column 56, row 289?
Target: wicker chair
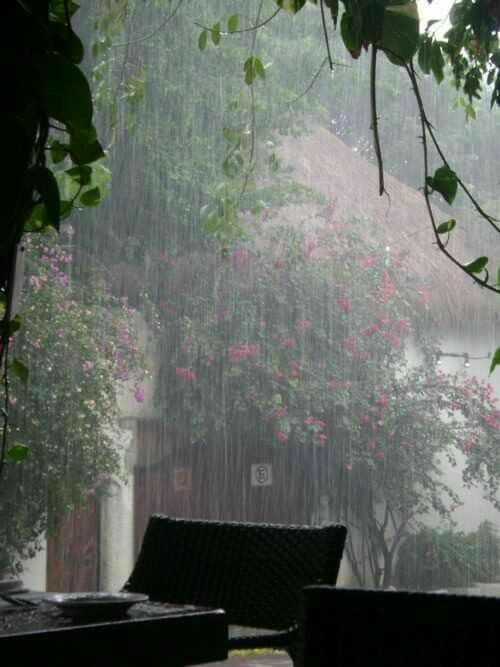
column 255, row 572
column 356, row 628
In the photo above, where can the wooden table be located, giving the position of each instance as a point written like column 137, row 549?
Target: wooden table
column 150, row 634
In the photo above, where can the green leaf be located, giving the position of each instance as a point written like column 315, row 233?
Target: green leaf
column 81, row 174
column 58, row 151
column 19, row 369
column 446, row 227
column 477, row 265
column 232, row 23
column 12, row 326
column 215, row 33
column 445, row 182
column 231, row 135
column 249, row 71
column 400, row 32
column 18, row 452
column 66, row 91
column 38, row 219
column 91, row 197
column 84, row 147
column 202, row 40
column 292, row 6
column 333, row 6
column 437, row 62
column 45, row 184
column 259, row 68
column 425, row 55
column 495, row 361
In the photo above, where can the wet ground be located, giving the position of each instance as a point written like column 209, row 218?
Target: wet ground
column 255, row 659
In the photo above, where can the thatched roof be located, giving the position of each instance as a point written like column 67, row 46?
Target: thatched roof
column 322, row 162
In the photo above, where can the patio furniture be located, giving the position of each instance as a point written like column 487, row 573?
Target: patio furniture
column 255, row 572
column 356, row 628
column 149, row 634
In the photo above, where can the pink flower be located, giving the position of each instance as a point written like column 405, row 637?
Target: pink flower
column 237, row 353
column 388, row 289
column 303, row 325
column 288, row 343
column 322, row 438
column 88, row 366
column 139, row 393
column 282, row 436
column 370, row 330
column 314, row 421
column 350, row 343
column 345, row 305
column 403, row 326
column 367, row 262
column 278, row 264
column 383, row 400
column 186, row 374
column 280, row 413
column 294, row 369
column 380, row 456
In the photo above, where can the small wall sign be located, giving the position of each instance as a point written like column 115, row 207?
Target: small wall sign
column 261, row 474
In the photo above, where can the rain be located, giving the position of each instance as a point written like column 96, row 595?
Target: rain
column 241, row 328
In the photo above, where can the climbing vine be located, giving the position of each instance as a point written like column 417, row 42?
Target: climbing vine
column 52, row 146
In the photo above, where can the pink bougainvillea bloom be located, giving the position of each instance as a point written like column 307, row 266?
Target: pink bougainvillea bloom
column 288, row 343
column 402, row 326
column 370, row 330
column 282, row 436
column 88, row 366
column 322, row 438
column 350, row 343
column 345, row 305
column 380, row 456
column 387, row 291
column 372, row 444
column 383, row 400
column 186, row 374
column 294, row 369
column 394, row 340
column 139, row 393
column 364, row 419
column 424, row 295
column 280, row 413
column 303, row 325
column 237, row 353
column 367, row 262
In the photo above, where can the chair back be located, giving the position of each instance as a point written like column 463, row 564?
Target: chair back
column 255, row 572
column 356, row 628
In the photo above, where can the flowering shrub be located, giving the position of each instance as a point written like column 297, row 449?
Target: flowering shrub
column 305, row 343
column 80, row 345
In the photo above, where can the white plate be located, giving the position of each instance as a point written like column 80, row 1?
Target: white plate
column 95, row 605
